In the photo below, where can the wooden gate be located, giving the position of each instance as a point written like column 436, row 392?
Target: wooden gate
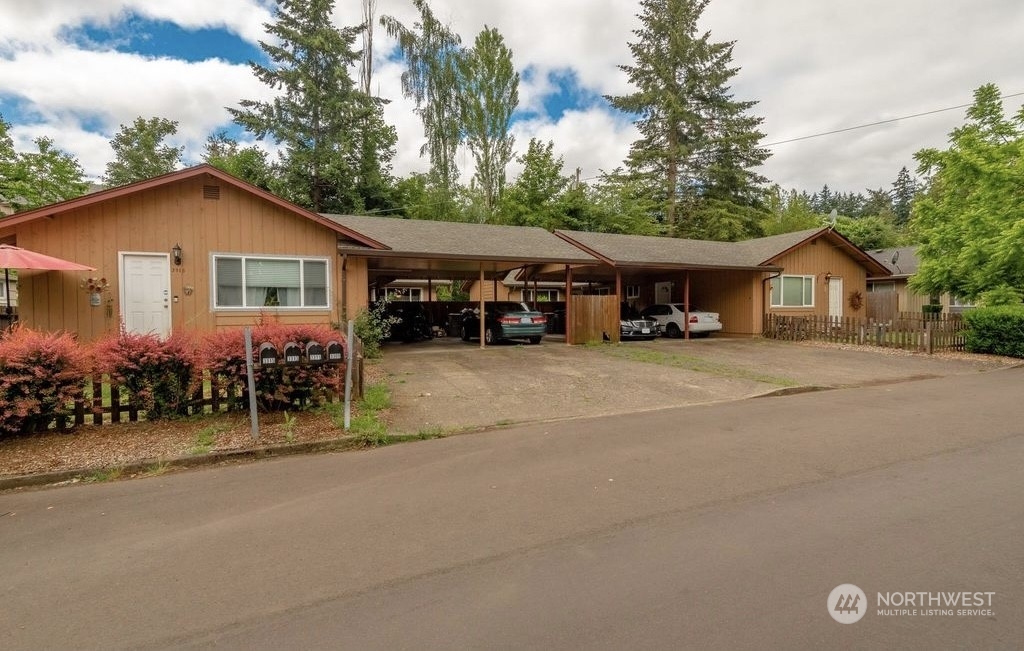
column 882, row 306
column 594, row 318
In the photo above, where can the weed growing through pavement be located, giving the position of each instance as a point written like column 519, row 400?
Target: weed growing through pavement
column 289, row 427
column 111, row 474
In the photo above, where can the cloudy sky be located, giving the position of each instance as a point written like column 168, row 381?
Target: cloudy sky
column 75, row 71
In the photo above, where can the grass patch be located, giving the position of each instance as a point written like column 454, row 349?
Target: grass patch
column 205, row 438
column 111, row 474
column 376, row 397
column 690, row 363
column 370, row 430
column 505, row 422
column 427, row 433
column 155, row 470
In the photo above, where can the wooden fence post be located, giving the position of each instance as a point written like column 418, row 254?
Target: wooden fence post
column 928, row 342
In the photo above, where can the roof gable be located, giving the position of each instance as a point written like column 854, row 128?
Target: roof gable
column 175, row 177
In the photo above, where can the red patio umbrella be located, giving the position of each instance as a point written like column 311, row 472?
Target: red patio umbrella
column 13, row 257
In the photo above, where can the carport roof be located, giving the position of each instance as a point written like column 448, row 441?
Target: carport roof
column 667, row 252
column 459, row 241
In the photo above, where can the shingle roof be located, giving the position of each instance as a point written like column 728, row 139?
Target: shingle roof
column 669, row 252
column 464, row 241
column 765, row 249
column 905, row 264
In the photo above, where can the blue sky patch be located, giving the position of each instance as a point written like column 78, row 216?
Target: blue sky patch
column 134, row 34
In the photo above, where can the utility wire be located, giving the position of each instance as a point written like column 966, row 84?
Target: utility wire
column 878, row 123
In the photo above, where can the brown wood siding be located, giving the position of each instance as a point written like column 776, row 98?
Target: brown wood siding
column 817, row 259
column 735, row 295
column 153, row 221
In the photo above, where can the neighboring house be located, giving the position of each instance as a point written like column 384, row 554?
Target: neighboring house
column 892, row 288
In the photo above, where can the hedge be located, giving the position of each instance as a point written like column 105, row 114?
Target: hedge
column 996, row 330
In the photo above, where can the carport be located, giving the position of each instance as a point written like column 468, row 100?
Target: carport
column 727, row 277
column 432, row 251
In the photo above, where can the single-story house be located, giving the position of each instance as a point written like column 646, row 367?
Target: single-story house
column 198, row 249
column 816, row 271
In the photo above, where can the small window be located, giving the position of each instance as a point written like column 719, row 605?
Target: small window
column 882, row 287
column 252, row 282
column 959, row 301
column 409, row 294
column 543, row 295
column 632, row 292
column 793, row 291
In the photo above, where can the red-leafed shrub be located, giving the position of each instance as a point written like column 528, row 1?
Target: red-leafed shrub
column 40, row 379
column 159, row 375
column 277, row 387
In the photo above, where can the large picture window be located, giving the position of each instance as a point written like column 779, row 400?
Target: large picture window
column 793, row 291
column 253, row 282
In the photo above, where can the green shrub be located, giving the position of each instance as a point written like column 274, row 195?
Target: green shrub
column 40, row 379
column 996, row 330
column 278, row 387
column 373, row 327
column 159, row 375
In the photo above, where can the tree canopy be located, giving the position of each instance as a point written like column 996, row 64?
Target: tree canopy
column 37, row 178
column 140, row 152
column 970, row 221
column 337, row 148
column 699, row 146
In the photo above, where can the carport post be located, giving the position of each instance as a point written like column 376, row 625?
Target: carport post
column 483, row 344
column 618, row 285
column 568, row 305
column 686, row 306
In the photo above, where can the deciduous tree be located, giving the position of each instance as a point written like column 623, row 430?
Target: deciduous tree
column 970, row 221
column 140, row 151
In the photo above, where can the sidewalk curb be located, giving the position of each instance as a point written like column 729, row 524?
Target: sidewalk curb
column 188, row 461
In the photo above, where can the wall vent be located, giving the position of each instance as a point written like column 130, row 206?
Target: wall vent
column 211, row 192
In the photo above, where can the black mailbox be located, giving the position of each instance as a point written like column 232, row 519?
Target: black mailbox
column 268, row 355
column 315, row 353
column 292, row 353
column 335, row 353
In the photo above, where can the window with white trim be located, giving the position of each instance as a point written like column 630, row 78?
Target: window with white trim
column 411, row 294
column 960, row 301
column 793, row 291
column 632, row 291
column 3, row 290
column 258, row 282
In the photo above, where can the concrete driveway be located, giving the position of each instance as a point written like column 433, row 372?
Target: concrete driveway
column 450, row 384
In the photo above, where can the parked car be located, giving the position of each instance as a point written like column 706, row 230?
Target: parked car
column 634, row 326
column 505, row 321
column 671, row 316
column 409, row 321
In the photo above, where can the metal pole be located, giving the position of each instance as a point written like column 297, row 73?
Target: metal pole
column 254, row 418
column 7, row 288
column 351, row 355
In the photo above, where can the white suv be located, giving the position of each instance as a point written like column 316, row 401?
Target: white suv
column 672, row 316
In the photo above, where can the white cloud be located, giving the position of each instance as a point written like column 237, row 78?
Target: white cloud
column 813, row 66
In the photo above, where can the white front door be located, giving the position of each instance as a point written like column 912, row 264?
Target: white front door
column 663, row 292
column 835, row 298
column 145, row 293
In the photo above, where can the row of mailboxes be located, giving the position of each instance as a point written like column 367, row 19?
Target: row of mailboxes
column 291, row 354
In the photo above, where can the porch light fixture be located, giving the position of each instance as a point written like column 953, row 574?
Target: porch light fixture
column 828, row 276
column 176, row 255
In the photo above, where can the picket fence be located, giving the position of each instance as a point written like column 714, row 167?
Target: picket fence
column 908, row 331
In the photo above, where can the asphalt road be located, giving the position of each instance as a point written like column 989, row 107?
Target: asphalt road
column 722, row 526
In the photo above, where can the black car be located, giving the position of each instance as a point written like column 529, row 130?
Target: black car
column 409, row 321
column 634, row 326
column 505, row 320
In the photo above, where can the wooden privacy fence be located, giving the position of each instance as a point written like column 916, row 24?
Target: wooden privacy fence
column 908, row 332
column 594, row 318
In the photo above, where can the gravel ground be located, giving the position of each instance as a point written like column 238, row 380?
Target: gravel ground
column 105, row 446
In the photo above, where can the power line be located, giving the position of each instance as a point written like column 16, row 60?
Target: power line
column 879, row 122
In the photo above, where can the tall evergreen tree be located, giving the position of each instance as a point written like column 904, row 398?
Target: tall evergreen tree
column 140, row 152
column 489, row 94
column 904, row 189
column 432, row 52
column 698, row 145
column 337, row 147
